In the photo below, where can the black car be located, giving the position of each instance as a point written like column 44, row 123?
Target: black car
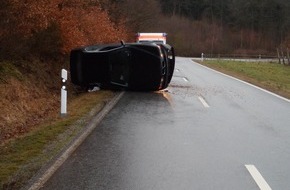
column 132, row 66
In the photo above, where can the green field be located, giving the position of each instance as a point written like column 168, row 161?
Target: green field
column 271, row 76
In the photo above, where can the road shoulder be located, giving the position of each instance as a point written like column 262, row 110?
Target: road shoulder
column 48, row 170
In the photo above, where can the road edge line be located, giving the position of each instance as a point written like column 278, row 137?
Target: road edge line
column 252, row 85
column 46, row 175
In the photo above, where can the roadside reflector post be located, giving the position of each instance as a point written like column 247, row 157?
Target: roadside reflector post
column 202, row 56
column 63, row 107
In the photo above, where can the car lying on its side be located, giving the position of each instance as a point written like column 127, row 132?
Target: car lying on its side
column 132, row 66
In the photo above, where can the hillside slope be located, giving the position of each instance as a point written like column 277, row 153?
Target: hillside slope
column 32, row 56
column 29, row 94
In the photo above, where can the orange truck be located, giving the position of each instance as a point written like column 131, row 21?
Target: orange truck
column 151, row 37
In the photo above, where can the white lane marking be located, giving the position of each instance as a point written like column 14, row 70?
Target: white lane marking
column 264, row 90
column 261, row 182
column 204, row 103
column 185, row 79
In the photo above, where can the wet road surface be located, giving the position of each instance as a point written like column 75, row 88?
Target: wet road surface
column 208, row 131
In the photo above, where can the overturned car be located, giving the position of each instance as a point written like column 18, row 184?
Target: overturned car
column 132, row 66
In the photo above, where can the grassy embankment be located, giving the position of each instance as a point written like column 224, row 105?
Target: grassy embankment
column 21, row 158
column 31, row 130
column 271, row 76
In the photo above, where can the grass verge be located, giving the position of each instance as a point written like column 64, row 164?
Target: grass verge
column 271, row 76
column 21, row 158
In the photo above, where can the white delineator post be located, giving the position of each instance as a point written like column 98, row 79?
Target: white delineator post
column 202, row 56
column 63, row 107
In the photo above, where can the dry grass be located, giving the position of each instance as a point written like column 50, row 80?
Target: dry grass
column 22, row 157
column 31, row 129
column 23, row 106
column 28, row 94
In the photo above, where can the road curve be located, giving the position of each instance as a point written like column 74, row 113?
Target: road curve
column 206, row 131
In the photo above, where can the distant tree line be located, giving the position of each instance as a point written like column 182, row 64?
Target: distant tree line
column 211, row 26
column 193, row 26
column 265, row 22
column 268, row 16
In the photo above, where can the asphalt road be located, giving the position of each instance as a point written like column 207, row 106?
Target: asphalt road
column 208, row 131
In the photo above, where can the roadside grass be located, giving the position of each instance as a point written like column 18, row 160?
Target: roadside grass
column 22, row 157
column 268, row 75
